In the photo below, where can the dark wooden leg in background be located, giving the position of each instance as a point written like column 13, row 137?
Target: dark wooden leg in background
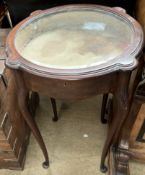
column 120, row 110
column 54, row 107
column 33, row 102
column 22, row 102
column 103, row 108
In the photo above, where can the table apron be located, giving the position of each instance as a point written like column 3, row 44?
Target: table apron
column 70, row 89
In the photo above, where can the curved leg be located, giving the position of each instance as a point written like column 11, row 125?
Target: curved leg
column 53, row 103
column 120, row 110
column 103, row 109
column 122, row 152
column 23, row 105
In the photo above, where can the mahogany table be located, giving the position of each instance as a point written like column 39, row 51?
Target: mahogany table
column 75, row 52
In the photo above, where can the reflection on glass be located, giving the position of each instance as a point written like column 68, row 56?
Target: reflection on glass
column 74, row 39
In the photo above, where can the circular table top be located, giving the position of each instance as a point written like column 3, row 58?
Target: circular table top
column 75, row 39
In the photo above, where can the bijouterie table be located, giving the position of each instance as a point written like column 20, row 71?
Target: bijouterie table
column 74, row 52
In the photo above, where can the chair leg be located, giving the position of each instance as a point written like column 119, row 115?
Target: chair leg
column 103, row 109
column 9, row 19
column 54, row 107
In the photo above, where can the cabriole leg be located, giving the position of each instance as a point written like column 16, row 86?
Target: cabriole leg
column 120, row 110
column 23, row 105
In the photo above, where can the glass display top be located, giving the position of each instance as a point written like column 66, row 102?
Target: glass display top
column 74, row 39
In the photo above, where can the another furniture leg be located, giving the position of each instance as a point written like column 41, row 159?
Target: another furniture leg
column 120, row 110
column 53, row 102
column 122, row 154
column 103, row 108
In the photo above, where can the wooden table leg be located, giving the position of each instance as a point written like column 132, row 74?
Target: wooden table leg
column 103, row 108
column 120, row 110
column 122, row 154
column 22, row 102
column 53, row 102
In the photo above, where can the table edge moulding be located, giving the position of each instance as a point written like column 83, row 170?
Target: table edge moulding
column 123, row 62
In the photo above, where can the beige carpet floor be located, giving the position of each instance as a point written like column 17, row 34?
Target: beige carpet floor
column 74, row 142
